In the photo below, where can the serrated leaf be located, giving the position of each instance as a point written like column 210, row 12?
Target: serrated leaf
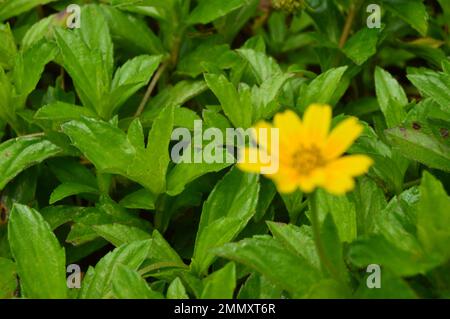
column 99, row 284
column 420, row 147
column 292, row 273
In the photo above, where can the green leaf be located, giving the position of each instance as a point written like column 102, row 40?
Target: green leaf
column 362, row 45
column 420, row 147
column 294, row 204
column 412, row 12
column 39, row 258
column 149, row 166
column 112, row 151
column 70, row 170
column 29, row 67
column 130, row 77
column 56, row 216
column 220, row 224
column 210, row 10
column 68, row 189
column 369, row 202
column 11, row 8
column 175, row 95
column 184, row 173
column 259, row 287
column 342, row 208
column 333, row 249
column 87, row 55
column 98, row 282
column 239, row 114
column 38, row 31
column 131, row 32
column 8, row 279
column 323, row 88
column 264, row 98
column 285, row 269
column 161, row 252
column 432, row 84
column 298, row 240
column 376, row 249
column 392, row 287
column 7, row 113
column 128, row 284
column 391, row 97
column 22, row 152
column 220, row 284
column 118, row 234
column 61, row 111
column 328, row 289
column 8, row 49
column 195, row 63
column 263, row 67
column 141, row 199
column 106, row 146
column 85, row 68
column 176, row 290
column 433, row 217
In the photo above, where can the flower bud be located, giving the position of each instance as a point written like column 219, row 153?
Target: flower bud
column 290, row 6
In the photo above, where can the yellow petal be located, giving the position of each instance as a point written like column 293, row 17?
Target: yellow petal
column 249, row 160
column 317, row 120
column 342, row 137
column 339, row 185
column 284, row 184
column 285, row 179
column 340, row 173
column 310, row 182
column 291, row 130
column 353, row 165
column 306, row 184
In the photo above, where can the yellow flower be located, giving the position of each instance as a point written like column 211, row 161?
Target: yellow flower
column 309, row 155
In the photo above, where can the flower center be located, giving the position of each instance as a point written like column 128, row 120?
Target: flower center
column 305, row 160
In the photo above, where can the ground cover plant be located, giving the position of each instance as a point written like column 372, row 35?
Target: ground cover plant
column 94, row 202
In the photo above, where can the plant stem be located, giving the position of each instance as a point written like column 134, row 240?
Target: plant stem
column 348, row 26
column 315, row 222
column 150, row 88
column 411, row 184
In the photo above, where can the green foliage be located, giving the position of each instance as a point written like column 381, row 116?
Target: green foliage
column 87, row 177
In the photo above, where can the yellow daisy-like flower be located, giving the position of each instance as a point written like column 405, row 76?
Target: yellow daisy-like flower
column 310, row 156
